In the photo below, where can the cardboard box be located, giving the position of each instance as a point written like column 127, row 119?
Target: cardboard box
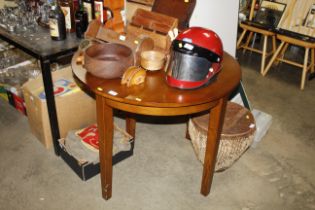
column 3, row 92
column 86, row 170
column 17, row 102
column 75, row 109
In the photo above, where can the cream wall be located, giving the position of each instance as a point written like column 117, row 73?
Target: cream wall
column 220, row 16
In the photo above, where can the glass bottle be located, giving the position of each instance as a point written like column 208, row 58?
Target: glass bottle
column 81, row 20
column 89, row 7
column 67, row 7
column 57, row 23
column 99, row 10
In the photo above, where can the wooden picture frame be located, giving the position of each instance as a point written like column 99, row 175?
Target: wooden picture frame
column 295, row 21
column 269, row 13
column 309, row 21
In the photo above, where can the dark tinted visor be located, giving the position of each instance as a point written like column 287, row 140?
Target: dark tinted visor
column 191, row 49
column 187, row 67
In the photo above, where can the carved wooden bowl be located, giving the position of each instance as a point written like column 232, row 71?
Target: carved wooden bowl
column 108, row 60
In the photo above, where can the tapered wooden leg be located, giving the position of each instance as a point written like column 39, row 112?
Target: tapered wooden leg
column 264, row 54
column 187, row 135
column 214, row 131
column 247, row 41
column 274, row 45
column 131, row 125
column 304, row 69
column 313, row 60
column 282, row 53
column 275, row 55
column 105, row 129
column 239, row 41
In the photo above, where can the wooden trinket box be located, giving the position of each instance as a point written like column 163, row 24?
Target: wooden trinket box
column 154, row 25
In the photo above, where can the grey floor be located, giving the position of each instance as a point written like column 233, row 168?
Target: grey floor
column 164, row 172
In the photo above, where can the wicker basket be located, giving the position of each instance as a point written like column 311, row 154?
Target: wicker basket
column 237, row 135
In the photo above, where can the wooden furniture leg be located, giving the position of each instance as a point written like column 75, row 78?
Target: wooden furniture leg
column 274, row 45
column 305, row 68
column 282, row 53
column 214, row 131
column 131, row 125
column 239, row 41
column 264, row 54
column 284, row 49
column 106, row 133
column 247, row 41
column 187, row 135
column 313, row 60
column 275, row 55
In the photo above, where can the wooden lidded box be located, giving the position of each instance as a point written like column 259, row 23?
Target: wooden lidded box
column 154, row 25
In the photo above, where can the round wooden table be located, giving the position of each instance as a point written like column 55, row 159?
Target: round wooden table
column 156, row 98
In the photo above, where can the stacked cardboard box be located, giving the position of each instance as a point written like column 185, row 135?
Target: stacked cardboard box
column 75, row 109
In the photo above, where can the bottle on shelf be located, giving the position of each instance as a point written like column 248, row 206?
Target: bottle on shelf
column 101, row 12
column 81, row 20
column 67, row 7
column 57, row 23
column 89, row 8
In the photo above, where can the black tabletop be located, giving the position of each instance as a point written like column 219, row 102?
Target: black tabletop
column 39, row 44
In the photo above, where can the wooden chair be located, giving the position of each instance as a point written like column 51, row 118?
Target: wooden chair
column 266, row 34
column 279, row 55
column 292, row 31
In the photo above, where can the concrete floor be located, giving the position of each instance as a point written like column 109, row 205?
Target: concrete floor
column 164, row 173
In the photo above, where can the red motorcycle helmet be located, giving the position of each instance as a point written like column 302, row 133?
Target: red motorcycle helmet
column 196, row 56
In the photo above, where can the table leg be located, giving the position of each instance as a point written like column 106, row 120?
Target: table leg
column 106, row 133
column 51, row 106
column 214, row 131
column 131, row 125
column 187, row 130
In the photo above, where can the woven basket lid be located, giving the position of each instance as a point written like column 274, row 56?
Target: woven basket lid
column 238, row 121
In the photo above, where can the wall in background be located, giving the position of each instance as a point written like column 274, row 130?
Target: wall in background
column 222, row 17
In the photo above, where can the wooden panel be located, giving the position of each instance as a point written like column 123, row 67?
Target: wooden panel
column 144, row 2
column 180, row 9
column 294, row 18
column 150, row 20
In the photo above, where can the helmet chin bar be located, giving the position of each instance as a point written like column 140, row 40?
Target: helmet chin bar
column 184, row 84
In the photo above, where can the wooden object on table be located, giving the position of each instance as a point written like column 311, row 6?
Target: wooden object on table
column 108, row 60
column 115, row 23
column 156, row 98
column 138, row 44
column 180, row 9
column 92, row 30
column 152, row 60
column 154, row 25
column 134, row 75
column 266, row 34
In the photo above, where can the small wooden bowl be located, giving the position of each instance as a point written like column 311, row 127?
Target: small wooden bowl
column 152, row 60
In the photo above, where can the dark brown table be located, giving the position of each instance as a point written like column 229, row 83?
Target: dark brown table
column 156, row 98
